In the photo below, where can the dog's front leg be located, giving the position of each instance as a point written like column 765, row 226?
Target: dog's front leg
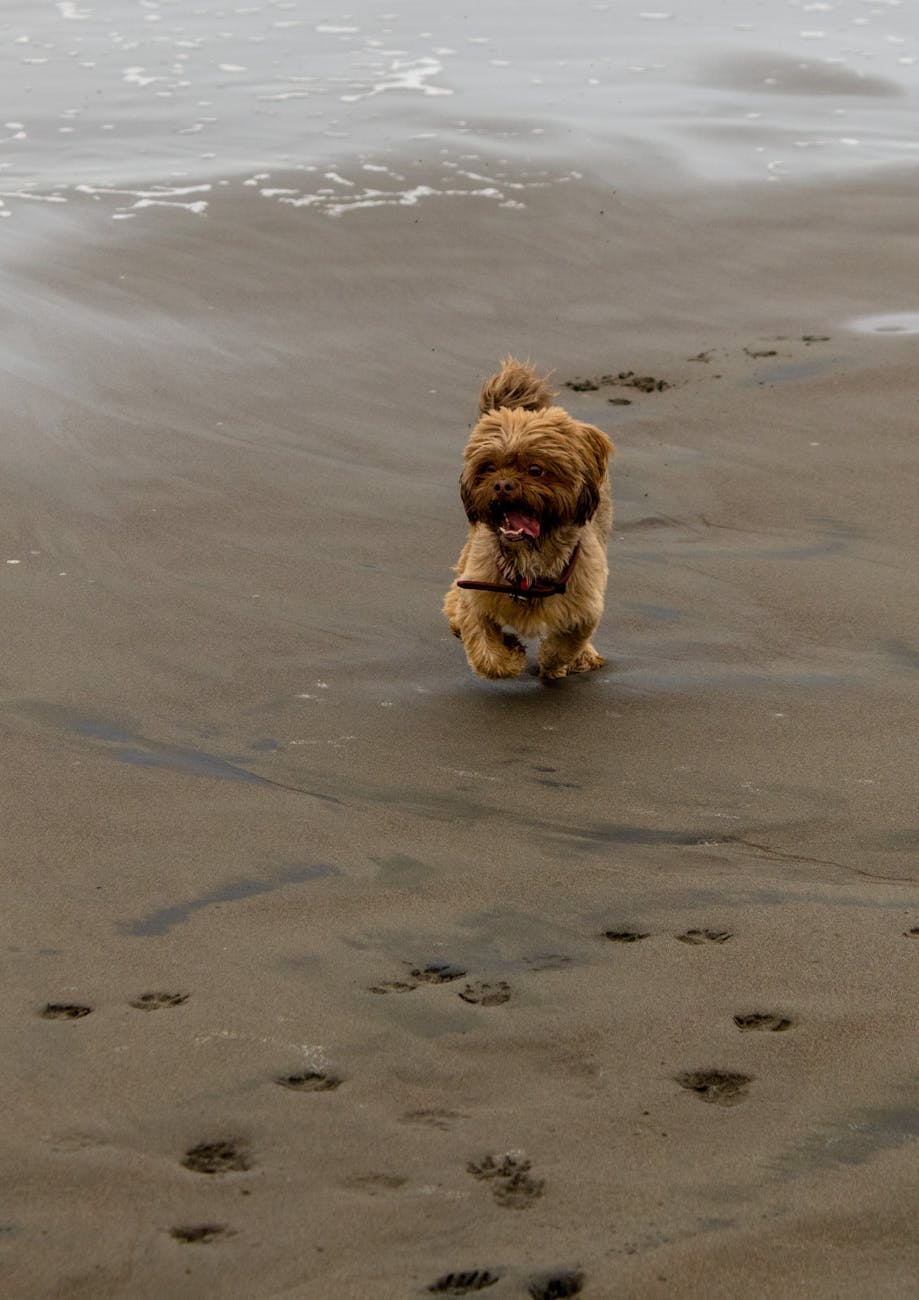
column 568, row 651
column 489, row 651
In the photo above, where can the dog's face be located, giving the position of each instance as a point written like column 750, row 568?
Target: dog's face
column 527, row 473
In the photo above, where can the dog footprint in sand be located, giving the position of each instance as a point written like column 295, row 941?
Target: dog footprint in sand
column 436, row 972
column 764, row 1022
column 227, row 1155
column 474, row 1279
column 393, row 986
column 548, row 961
column 193, row 1233
column 720, row 1087
column 437, row 1117
column 512, row 1184
column 156, row 1001
column 487, row 995
column 64, row 1011
column 625, row 936
column 309, row 1081
column 705, row 936
column 556, row 1286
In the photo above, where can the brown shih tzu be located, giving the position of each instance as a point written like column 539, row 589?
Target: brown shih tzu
column 536, row 492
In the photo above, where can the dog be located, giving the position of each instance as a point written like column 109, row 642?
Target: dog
column 535, row 488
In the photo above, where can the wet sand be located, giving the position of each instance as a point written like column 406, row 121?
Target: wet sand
column 447, row 986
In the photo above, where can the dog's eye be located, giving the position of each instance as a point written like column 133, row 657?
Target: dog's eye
column 487, row 468
column 536, row 471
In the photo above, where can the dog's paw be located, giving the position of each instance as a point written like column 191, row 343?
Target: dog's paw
column 554, row 665
column 508, row 663
column 586, row 661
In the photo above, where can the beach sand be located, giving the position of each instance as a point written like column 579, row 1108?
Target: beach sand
column 246, row 767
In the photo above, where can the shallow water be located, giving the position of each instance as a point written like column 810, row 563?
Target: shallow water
column 152, row 103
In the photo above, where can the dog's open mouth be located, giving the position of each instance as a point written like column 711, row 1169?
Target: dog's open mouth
column 517, row 524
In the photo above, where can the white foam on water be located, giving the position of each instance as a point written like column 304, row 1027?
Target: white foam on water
column 157, row 192
column 197, row 208
column 411, row 75
column 35, row 198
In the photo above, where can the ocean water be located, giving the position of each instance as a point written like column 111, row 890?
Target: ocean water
column 136, row 104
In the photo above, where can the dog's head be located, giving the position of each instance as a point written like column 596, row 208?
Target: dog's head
column 526, row 473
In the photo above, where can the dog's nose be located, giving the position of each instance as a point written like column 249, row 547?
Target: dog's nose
column 504, row 487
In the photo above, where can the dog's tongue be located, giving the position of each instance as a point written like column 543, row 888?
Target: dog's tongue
column 523, row 523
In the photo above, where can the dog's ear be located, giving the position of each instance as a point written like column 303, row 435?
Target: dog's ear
column 483, row 450
column 472, row 514
column 596, row 451
column 588, row 500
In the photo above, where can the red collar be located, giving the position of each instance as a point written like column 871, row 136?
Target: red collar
column 524, row 590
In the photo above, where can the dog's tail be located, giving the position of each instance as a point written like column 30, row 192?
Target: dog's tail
column 515, row 384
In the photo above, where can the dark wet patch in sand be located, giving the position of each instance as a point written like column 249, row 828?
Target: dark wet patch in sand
column 905, row 655
column 143, row 753
column 139, row 751
column 625, row 834
column 223, row 1156
column 856, row 1138
column 166, row 918
column 721, row 1087
column 64, row 1011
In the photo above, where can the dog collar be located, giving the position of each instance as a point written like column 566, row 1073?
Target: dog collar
column 523, row 590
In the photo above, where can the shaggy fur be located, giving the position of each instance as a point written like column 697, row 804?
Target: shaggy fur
column 534, row 485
